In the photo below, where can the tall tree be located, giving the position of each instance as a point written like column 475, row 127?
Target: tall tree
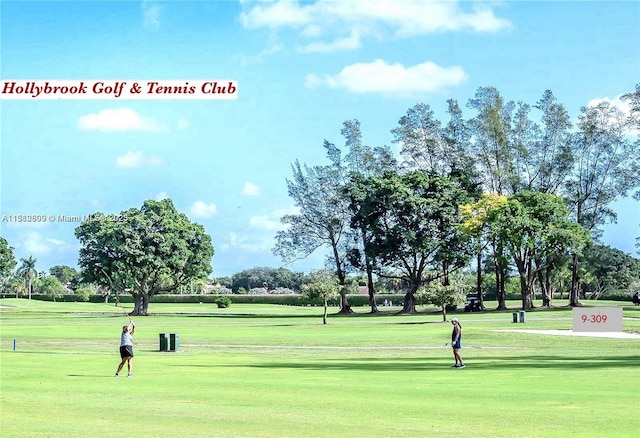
column 535, row 228
column 549, row 158
column 422, row 146
column 492, row 140
column 457, row 134
column 633, row 98
column 7, row 263
column 66, row 274
column 610, row 269
column 633, row 123
column 153, row 249
column 607, row 168
column 492, row 146
column 322, row 221
column 475, row 224
column 361, row 161
column 324, row 217
column 27, row 271
column 411, row 219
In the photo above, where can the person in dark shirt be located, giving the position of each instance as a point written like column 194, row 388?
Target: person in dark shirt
column 456, row 339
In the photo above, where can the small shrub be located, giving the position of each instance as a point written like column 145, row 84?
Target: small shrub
column 223, row 302
column 84, row 293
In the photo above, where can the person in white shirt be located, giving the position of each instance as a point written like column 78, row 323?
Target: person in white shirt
column 126, row 348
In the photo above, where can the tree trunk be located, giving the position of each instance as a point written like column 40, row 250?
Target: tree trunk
column 345, row 308
column 547, row 287
column 444, row 313
column 525, row 274
column 500, row 293
column 524, row 292
column 141, row 304
column 574, row 297
column 409, row 305
column 479, row 279
column 371, row 290
column 324, row 317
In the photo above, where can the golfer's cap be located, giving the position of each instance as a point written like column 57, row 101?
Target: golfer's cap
column 454, row 320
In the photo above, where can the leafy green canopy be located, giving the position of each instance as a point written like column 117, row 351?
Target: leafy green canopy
column 7, row 259
column 146, row 251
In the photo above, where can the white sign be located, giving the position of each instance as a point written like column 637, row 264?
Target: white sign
column 118, row 89
column 597, row 319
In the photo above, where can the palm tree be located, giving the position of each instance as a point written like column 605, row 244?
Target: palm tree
column 28, row 270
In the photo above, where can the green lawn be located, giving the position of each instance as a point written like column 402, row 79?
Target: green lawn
column 276, row 371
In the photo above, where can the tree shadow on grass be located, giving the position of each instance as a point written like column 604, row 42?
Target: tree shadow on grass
column 92, row 376
column 492, row 363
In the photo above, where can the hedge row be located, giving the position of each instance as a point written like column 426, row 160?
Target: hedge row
column 289, row 300
column 355, row 300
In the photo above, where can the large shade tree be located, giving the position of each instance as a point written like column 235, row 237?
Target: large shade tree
column 149, row 250
column 474, row 223
column 322, row 221
column 535, row 228
column 608, row 270
column 607, row 168
column 7, row 262
column 323, row 217
column 412, row 222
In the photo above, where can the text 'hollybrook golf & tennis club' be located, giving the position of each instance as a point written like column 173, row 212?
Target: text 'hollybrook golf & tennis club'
column 30, row 89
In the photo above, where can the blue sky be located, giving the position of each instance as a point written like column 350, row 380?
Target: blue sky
column 303, row 68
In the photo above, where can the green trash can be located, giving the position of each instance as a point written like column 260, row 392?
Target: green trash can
column 164, row 342
column 515, row 316
column 174, row 342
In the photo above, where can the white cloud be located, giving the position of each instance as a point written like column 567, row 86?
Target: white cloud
column 160, row 196
column 151, row 14
column 392, row 79
column 200, row 209
column 120, row 119
column 250, row 189
column 260, row 57
column 247, row 244
column 34, row 243
column 265, row 222
column 623, row 106
column 271, row 221
column 277, row 14
column 138, row 159
column 350, row 42
column 346, row 21
column 183, row 124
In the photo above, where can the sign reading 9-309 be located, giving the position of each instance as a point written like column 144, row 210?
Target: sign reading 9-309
column 597, row 319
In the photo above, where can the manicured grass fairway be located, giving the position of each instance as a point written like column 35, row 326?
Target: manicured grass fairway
column 276, row 371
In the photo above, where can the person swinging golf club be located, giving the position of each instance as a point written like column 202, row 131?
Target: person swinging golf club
column 456, row 338
column 126, row 348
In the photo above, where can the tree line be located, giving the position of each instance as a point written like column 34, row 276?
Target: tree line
column 513, row 188
column 518, row 184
